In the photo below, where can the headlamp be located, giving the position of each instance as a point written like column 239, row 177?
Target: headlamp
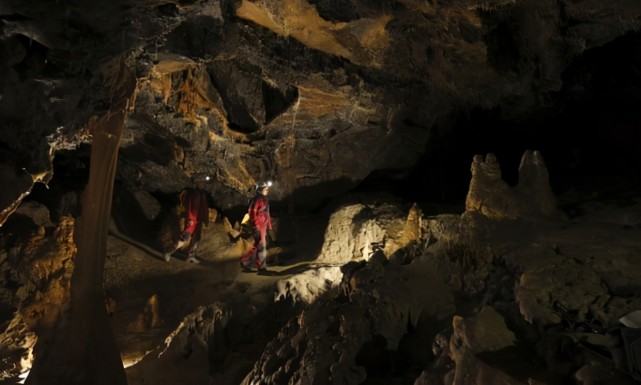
column 263, row 185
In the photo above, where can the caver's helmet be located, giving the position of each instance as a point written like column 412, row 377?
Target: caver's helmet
column 263, row 185
column 201, row 178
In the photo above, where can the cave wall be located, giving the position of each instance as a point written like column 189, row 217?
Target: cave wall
column 318, row 96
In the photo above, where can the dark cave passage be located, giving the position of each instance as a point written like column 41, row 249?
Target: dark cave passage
column 70, row 176
column 588, row 133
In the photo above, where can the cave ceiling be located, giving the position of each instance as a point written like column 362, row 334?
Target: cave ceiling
column 314, row 94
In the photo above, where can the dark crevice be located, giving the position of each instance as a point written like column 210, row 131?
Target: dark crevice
column 35, row 59
column 335, row 11
column 229, row 79
column 198, row 37
column 70, row 176
column 276, row 102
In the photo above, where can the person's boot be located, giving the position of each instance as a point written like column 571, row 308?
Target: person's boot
column 167, row 257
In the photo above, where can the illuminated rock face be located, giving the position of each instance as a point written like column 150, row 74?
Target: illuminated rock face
column 356, row 231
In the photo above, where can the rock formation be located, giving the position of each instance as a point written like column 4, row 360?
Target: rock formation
column 531, row 198
column 485, row 298
column 315, row 95
column 389, row 264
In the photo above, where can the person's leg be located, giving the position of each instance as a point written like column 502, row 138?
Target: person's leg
column 261, row 250
column 191, row 255
column 250, row 256
column 193, row 244
column 177, row 246
column 186, row 235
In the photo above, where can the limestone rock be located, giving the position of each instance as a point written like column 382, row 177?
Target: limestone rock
column 320, row 95
column 534, row 186
column 191, row 345
column 241, row 89
column 17, row 344
column 37, row 212
column 355, row 231
column 485, row 332
column 531, row 199
column 488, row 193
column 308, row 286
column 321, row 344
column 148, row 203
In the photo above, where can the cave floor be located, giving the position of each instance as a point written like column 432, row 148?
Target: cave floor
column 152, row 297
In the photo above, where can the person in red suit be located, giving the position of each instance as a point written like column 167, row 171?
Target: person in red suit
column 195, row 214
column 260, row 219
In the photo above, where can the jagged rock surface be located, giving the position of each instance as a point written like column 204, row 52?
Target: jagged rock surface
column 313, row 94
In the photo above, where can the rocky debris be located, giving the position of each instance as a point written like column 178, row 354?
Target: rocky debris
column 350, row 233
column 38, row 213
column 548, row 277
column 217, row 244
